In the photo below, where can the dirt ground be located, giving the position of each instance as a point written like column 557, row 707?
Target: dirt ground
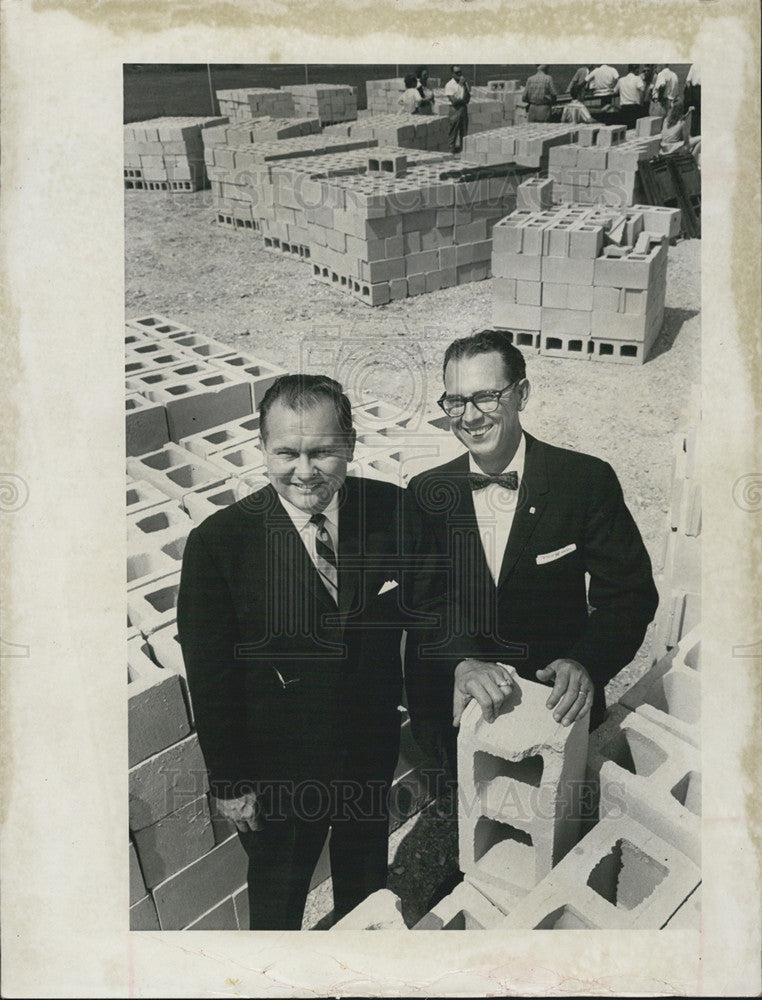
column 223, row 284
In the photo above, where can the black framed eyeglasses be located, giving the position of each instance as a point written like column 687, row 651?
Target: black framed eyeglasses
column 486, row 400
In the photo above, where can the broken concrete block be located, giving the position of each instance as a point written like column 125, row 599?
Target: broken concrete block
column 381, row 911
column 465, row 909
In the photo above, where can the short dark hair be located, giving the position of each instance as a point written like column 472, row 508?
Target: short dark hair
column 456, row 66
column 411, row 80
column 632, row 67
column 484, row 342
column 420, row 71
column 300, row 392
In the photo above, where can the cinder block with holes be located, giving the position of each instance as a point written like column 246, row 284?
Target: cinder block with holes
column 156, row 714
column 381, row 911
column 154, row 605
column 464, row 909
column 521, row 780
column 670, row 698
column 619, row 876
column 564, row 345
column 656, row 779
column 158, row 326
column 174, row 470
column 141, row 496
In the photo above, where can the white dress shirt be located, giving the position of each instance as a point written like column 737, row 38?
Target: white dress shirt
column 455, row 89
column 495, row 508
column 308, row 531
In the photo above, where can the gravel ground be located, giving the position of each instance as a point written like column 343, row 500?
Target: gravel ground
column 223, row 284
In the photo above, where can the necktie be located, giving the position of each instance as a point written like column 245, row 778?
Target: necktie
column 508, row 480
column 325, row 556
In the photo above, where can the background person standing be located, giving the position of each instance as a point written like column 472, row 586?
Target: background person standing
column 458, row 94
column 539, row 94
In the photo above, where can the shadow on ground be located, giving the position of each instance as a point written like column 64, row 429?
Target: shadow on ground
column 673, row 321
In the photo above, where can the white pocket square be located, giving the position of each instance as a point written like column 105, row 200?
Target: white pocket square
column 547, row 557
column 389, row 585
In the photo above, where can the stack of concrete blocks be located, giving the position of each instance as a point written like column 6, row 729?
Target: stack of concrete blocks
column 253, row 102
column 292, row 192
column 264, row 129
column 383, row 96
column 602, row 168
column 519, row 803
column 527, row 144
column 166, row 154
column 387, row 237
column 508, row 95
column 241, row 174
column 330, row 103
column 563, row 294
column 484, row 112
column 424, row 132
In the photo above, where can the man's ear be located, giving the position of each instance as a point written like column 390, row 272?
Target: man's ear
column 526, row 388
column 351, row 442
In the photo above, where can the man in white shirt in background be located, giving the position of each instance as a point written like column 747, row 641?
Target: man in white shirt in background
column 458, row 94
column 631, row 89
column 665, row 91
column 602, row 79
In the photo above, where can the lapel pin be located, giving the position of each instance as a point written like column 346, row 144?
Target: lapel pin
column 531, row 510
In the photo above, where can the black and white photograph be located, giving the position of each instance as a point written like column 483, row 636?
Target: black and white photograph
column 428, row 526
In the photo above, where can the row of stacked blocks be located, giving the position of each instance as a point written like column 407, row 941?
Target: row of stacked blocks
column 193, row 447
column 329, row 103
column 603, row 165
column 166, row 154
column 491, row 105
column 561, row 831
column 578, row 282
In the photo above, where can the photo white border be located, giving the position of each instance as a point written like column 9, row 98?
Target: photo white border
column 64, row 848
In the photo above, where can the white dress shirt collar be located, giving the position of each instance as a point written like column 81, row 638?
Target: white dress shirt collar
column 301, row 518
column 516, row 464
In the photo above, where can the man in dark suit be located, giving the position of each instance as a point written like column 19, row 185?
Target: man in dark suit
column 521, row 523
column 290, row 622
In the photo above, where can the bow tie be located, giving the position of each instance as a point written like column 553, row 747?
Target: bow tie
column 508, row 480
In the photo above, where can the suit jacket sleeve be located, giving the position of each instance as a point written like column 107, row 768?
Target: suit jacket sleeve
column 208, row 634
column 621, row 593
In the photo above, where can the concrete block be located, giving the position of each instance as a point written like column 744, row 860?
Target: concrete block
column 196, row 889
column 204, row 401
column 622, row 352
column 564, row 345
column 567, row 271
column 606, row 299
column 520, row 781
column 147, row 565
column 141, row 496
column 146, row 426
column 567, row 322
column 649, row 125
column 174, row 841
column 554, row 296
column 632, row 271
column 154, row 605
column 507, row 314
column 165, row 782
column 225, row 436
column 158, row 326
column 526, row 267
column 143, row 916
column 671, row 698
column 145, row 382
column 174, row 470
column 151, row 526
column 585, row 241
column 240, row 459
column 137, row 885
column 157, row 717
column 529, row 293
column 259, row 374
column 222, row 917
column 660, row 219
column 464, row 909
column 202, row 502
column 620, row 876
column 381, row 911
column 621, row 327
column 657, row 781
column 504, row 289
column 610, row 135
column 680, row 612
column 580, row 297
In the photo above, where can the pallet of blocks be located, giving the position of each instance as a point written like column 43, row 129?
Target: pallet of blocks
column 424, row 132
column 385, row 236
column 527, row 144
column 383, row 96
column 330, row 103
column 253, row 102
column 296, row 200
column 602, row 167
column 483, row 112
column 240, row 171
column 508, row 98
column 579, row 282
column 166, row 154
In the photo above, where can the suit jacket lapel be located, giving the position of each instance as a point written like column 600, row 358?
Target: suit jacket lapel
column 532, row 499
column 351, row 513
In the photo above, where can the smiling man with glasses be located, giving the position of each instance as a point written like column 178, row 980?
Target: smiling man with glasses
column 521, row 523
